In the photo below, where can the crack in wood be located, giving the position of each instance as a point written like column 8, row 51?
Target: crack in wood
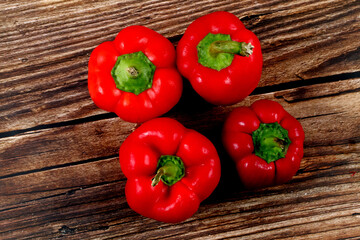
column 64, row 230
column 304, row 83
column 24, row 203
column 319, row 115
column 60, row 124
column 58, row 166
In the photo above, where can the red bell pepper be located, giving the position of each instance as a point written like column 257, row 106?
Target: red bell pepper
column 220, row 57
column 135, row 75
column 170, row 169
column 265, row 142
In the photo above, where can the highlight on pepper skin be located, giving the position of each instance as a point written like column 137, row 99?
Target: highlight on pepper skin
column 170, row 170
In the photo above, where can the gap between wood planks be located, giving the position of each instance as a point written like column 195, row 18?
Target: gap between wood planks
column 58, row 166
column 257, row 91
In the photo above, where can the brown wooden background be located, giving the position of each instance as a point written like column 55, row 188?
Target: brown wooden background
column 59, row 170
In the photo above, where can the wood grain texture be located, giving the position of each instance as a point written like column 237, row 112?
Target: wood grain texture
column 59, row 170
column 324, row 183
column 45, row 46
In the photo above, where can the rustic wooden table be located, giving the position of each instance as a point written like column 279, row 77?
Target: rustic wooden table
column 59, row 170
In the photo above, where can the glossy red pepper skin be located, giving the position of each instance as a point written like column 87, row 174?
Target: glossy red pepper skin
column 254, row 171
column 231, row 84
column 167, row 83
column 139, row 156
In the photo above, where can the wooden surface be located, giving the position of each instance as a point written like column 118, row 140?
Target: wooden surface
column 59, row 170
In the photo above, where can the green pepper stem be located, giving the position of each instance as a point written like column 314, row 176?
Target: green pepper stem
column 133, row 72
column 157, row 177
column 217, row 51
column 233, row 47
column 166, row 170
column 170, row 169
column 281, row 142
column 271, row 141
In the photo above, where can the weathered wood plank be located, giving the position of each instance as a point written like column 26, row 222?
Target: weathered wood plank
column 91, row 140
column 44, row 183
column 327, row 197
column 69, row 144
column 82, row 192
column 43, row 79
column 60, row 176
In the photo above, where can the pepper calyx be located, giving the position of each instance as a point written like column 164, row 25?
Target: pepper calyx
column 216, row 51
column 170, row 169
column 271, row 141
column 133, row 72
